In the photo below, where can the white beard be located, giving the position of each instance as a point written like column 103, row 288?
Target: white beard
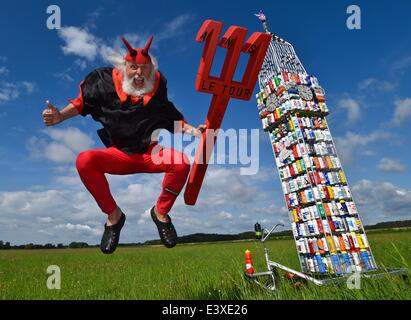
column 130, row 89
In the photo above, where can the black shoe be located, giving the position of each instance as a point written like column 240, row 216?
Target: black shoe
column 168, row 234
column 111, row 235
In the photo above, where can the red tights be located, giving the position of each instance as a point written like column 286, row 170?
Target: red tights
column 92, row 165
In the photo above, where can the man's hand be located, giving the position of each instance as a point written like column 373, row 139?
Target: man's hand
column 51, row 115
column 199, row 130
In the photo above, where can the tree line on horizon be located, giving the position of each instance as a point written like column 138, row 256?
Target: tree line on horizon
column 192, row 238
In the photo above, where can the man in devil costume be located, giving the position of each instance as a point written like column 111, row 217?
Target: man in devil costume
column 131, row 103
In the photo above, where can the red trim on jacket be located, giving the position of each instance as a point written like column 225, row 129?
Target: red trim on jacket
column 78, row 102
column 118, row 84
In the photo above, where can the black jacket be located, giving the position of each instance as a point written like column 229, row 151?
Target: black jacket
column 126, row 126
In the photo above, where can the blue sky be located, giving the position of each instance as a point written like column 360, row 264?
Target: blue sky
column 365, row 73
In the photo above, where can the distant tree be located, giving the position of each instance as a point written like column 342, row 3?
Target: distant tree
column 75, row 245
column 7, row 245
column 1, row 244
column 29, row 246
column 60, row 245
column 49, row 246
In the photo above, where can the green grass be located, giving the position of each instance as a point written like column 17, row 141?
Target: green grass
column 200, row 271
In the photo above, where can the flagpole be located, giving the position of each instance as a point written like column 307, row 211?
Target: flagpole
column 263, row 19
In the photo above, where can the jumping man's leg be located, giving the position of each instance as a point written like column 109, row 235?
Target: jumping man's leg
column 176, row 173
column 92, row 166
column 176, row 166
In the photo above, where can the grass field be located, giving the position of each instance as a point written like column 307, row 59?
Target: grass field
column 198, row 271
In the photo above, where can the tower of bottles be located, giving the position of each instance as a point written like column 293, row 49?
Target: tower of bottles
column 292, row 106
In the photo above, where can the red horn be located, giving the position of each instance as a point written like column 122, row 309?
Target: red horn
column 147, row 47
column 132, row 51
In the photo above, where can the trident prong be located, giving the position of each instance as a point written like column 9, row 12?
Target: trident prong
column 223, row 87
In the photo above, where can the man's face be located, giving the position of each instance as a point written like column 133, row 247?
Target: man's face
column 139, row 73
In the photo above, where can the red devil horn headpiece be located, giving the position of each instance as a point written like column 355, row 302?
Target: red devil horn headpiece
column 138, row 55
column 147, row 47
column 129, row 47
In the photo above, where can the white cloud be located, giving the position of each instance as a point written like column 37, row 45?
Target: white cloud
column 63, row 76
column 222, row 184
column 92, row 17
column 80, row 64
column 4, row 71
column 71, row 137
column 45, row 219
column 22, row 203
column 401, row 64
column 62, row 145
column 369, row 152
column 381, row 201
column 224, row 215
column 228, row 203
column 47, row 233
column 77, row 65
column 58, row 153
column 68, row 180
column 114, row 52
column 175, row 27
column 10, row 91
column 79, row 229
column 402, row 111
column 25, row 213
column 79, row 42
column 29, row 86
column 352, row 107
column 390, row 165
column 377, row 85
column 35, row 147
column 351, row 143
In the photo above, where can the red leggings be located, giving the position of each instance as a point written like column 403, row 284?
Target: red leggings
column 93, row 164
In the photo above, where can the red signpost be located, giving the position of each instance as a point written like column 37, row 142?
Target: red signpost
column 223, row 88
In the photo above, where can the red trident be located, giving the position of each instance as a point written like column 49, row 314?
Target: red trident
column 222, row 88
